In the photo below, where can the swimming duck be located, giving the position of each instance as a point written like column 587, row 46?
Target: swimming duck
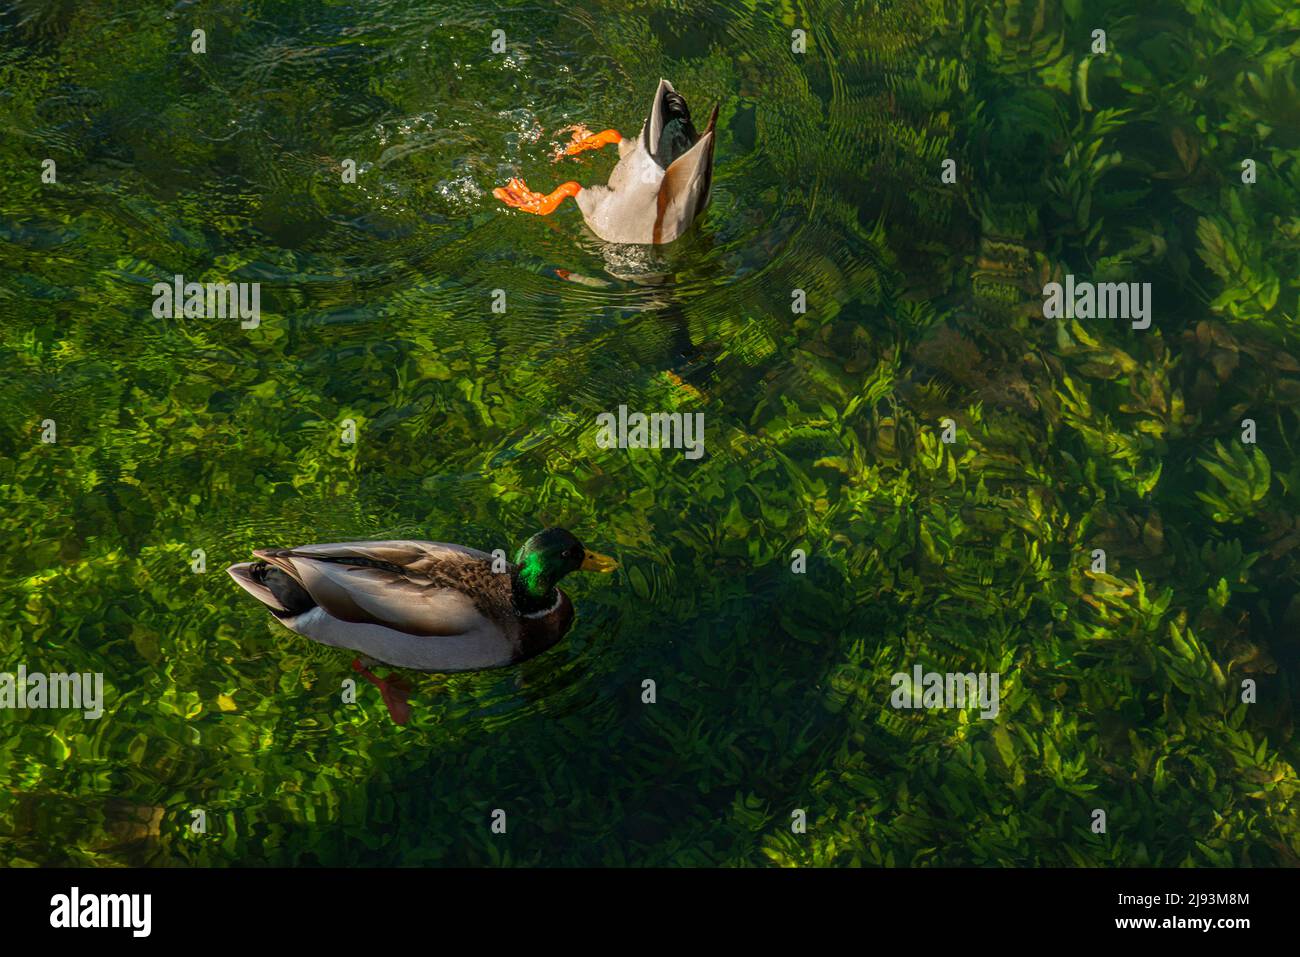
column 659, row 187
column 427, row 606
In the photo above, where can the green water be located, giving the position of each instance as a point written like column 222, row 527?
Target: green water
column 1120, row 691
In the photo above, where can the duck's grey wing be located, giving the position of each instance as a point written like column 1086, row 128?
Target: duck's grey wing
column 684, row 191
column 405, row 552
column 411, row 587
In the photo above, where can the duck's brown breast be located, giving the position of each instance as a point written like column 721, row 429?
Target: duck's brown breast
column 536, row 635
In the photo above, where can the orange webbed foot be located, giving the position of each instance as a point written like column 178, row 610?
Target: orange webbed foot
column 584, row 139
column 517, row 194
column 394, row 690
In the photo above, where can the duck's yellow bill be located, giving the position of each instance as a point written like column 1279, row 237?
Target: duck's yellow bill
column 596, row 562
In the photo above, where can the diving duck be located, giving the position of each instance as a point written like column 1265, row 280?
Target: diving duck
column 659, row 187
column 426, row 606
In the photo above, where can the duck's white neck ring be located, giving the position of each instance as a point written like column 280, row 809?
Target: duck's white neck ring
column 559, row 597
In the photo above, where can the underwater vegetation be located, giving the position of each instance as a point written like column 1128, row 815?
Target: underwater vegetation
column 1121, row 689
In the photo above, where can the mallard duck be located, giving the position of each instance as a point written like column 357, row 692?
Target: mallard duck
column 659, row 187
column 427, row 606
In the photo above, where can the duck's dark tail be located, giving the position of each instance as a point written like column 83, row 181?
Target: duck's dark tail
column 273, row 587
column 675, row 108
column 668, row 131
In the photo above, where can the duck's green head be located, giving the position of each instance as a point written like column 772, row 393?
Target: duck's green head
column 550, row 555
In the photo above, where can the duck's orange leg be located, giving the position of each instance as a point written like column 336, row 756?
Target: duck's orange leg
column 584, row 139
column 394, row 690
column 517, row 194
